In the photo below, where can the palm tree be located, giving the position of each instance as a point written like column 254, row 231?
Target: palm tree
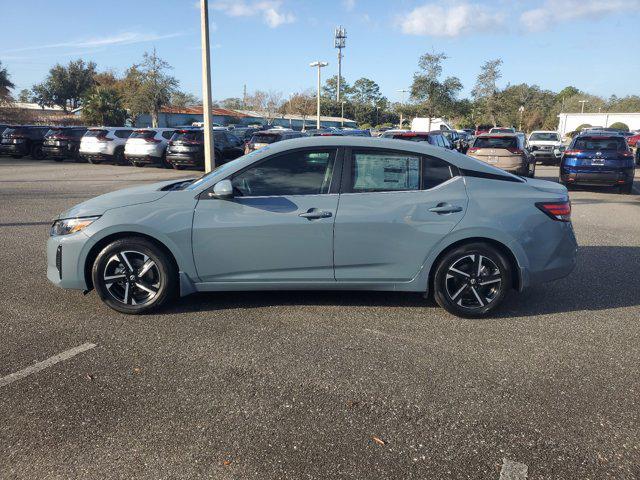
column 103, row 106
column 5, row 85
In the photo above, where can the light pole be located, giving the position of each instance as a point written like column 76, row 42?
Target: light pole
column 583, row 102
column 319, row 65
column 209, row 160
column 342, row 113
column 521, row 110
column 377, row 119
column 339, row 40
column 402, row 91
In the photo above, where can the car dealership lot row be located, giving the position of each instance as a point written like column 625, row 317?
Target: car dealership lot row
column 294, row 384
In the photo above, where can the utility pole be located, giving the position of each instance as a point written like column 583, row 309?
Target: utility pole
column 339, row 42
column 244, row 96
column 342, row 114
column 402, row 91
column 318, row 64
column 209, row 160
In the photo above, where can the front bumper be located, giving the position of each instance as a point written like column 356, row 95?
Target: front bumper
column 64, row 266
column 596, row 177
column 14, row 149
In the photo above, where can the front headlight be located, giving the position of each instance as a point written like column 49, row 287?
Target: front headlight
column 68, row 226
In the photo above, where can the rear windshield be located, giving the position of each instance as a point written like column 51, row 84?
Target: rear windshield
column 66, row 132
column 96, row 133
column 543, row 137
column 412, row 138
column 266, row 138
column 600, row 143
column 14, row 131
column 188, row 135
column 143, row 134
column 496, row 142
column 501, row 130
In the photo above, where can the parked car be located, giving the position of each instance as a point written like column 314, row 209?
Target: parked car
column 3, row 128
column 480, row 129
column 546, row 146
column 412, row 218
column 148, row 145
column 324, row 132
column 22, row 140
column 267, row 137
column 105, row 144
column 244, row 133
column 633, row 140
column 502, row 130
column 63, row 142
column 454, row 139
column 435, row 138
column 353, row 132
column 389, row 133
column 598, row 159
column 505, row 151
column 186, row 148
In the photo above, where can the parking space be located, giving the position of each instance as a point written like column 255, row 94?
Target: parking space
column 315, row 384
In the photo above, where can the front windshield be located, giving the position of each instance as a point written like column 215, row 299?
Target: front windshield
column 544, row 137
column 222, row 168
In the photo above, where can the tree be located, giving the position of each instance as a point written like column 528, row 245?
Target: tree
column 66, row 85
column 303, row 104
column 366, row 91
column 620, row 126
column 486, row 89
column 330, row 88
column 267, row 102
column 25, row 96
column 103, row 106
column 434, row 95
column 232, row 103
column 183, row 99
column 6, row 85
column 156, row 86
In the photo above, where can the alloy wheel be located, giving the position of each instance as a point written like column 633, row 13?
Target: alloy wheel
column 473, row 281
column 132, row 278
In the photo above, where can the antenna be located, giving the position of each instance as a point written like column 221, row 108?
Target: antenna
column 339, row 42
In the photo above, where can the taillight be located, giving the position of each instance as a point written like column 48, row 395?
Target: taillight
column 152, row 140
column 515, row 151
column 103, row 138
column 472, row 149
column 560, row 211
column 626, row 154
column 572, row 152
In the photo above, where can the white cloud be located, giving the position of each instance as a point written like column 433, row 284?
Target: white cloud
column 349, row 5
column 553, row 12
column 458, row 18
column 270, row 10
column 125, row 38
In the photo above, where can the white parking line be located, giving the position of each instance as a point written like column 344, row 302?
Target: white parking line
column 513, row 470
column 36, row 367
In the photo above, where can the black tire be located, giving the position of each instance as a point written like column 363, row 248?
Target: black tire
column 461, row 291
column 138, row 164
column 532, row 171
column 124, row 293
column 179, row 167
column 626, row 189
column 59, row 160
column 118, row 157
column 36, row 152
column 16, row 156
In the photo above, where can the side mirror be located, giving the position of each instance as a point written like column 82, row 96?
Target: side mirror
column 222, row 190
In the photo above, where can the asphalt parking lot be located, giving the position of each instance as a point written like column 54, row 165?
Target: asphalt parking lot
column 294, row 385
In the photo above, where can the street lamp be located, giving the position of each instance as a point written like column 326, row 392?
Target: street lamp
column 402, row 91
column 209, row 160
column 319, row 65
column 342, row 114
column 521, row 110
column 583, row 102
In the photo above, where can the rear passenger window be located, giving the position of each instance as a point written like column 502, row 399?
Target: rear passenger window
column 435, row 172
column 167, row 134
column 384, row 172
column 122, row 133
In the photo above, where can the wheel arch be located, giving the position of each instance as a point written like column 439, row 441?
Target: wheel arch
column 517, row 280
column 103, row 242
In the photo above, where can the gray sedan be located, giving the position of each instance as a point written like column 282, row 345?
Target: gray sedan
column 326, row 213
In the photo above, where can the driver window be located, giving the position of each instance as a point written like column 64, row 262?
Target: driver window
column 293, row 173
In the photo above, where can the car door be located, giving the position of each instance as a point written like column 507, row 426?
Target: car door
column 278, row 227
column 235, row 146
column 395, row 207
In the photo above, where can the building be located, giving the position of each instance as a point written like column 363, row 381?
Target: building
column 569, row 122
column 173, row 117
column 31, row 113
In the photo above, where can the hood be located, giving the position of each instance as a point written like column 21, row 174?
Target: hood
column 119, row 198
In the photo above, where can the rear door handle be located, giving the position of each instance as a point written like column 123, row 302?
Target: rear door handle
column 442, row 208
column 314, row 214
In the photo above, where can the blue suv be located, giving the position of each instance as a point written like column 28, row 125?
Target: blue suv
column 598, row 158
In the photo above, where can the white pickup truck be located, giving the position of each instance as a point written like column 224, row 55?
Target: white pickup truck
column 546, row 146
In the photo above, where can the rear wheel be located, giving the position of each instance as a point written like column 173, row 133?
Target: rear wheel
column 132, row 275
column 178, row 167
column 118, row 157
column 472, row 280
column 138, row 164
column 36, row 152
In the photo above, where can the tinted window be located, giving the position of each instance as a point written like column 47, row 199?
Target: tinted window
column 188, row 136
column 167, row 134
column 265, row 138
column 436, row 171
column 544, row 137
column 95, row 133
column 411, row 138
column 78, row 132
column 496, row 142
column 384, row 172
column 122, row 133
column 600, row 143
column 143, row 134
column 294, row 173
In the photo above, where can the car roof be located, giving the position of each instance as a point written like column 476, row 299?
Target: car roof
column 497, row 134
column 602, row 133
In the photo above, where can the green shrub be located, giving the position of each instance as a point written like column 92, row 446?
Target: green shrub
column 582, row 127
column 620, row 126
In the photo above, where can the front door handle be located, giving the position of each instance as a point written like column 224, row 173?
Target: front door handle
column 442, row 208
column 314, row 214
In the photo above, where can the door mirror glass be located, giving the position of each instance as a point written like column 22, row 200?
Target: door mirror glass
column 223, row 189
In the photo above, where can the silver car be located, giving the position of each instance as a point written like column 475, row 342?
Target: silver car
column 330, row 213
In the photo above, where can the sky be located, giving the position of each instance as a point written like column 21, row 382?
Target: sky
column 268, row 44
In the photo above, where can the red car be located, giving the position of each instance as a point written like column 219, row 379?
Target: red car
column 632, row 141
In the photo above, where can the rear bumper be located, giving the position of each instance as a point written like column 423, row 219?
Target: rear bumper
column 185, row 159
column 97, row 157
column 56, row 152
column 138, row 158
column 557, row 258
column 596, row 177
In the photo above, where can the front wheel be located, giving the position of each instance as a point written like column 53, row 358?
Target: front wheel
column 132, row 275
column 472, row 280
column 37, row 153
